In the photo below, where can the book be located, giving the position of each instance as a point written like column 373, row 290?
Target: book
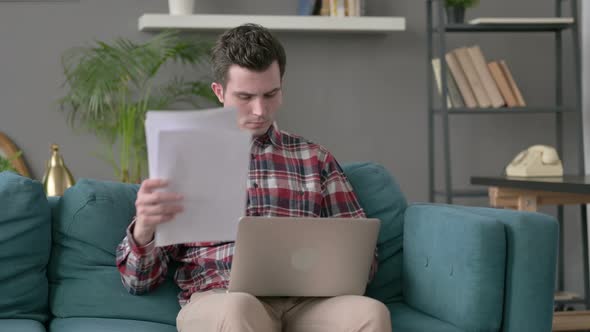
column 464, row 59
column 522, row 20
column 353, row 8
column 485, row 76
column 337, row 8
column 341, row 8
column 437, row 77
column 454, row 98
column 309, row 7
column 360, row 8
column 461, row 80
column 454, row 93
column 325, row 8
column 502, row 84
column 513, row 87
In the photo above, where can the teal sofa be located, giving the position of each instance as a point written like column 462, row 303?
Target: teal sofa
column 442, row 268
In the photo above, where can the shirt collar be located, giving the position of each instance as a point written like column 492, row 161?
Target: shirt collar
column 272, row 136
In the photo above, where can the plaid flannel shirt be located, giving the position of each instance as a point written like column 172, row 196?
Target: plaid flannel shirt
column 289, row 176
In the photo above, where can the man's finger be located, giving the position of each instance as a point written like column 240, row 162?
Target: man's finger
column 157, row 198
column 161, row 209
column 149, row 185
column 155, row 220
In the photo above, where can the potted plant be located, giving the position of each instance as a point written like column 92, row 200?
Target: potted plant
column 456, row 9
column 110, row 87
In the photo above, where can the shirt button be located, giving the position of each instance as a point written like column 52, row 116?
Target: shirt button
column 255, row 185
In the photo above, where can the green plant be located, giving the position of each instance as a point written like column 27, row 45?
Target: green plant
column 461, row 3
column 6, row 163
column 111, row 87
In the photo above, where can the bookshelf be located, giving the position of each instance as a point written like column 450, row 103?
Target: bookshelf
column 294, row 23
column 439, row 31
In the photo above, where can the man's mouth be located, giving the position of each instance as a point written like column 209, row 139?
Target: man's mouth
column 257, row 124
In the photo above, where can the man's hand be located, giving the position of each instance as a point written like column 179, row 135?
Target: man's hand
column 153, row 208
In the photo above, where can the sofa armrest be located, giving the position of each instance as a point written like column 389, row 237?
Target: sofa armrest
column 531, row 240
column 454, row 266
column 479, row 268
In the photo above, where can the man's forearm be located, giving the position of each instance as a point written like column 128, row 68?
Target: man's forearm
column 142, row 236
column 142, row 267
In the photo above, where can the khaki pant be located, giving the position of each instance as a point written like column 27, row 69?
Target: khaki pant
column 217, row 310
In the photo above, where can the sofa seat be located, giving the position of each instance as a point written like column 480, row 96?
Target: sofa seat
column 406, row 319
column 106, row 325
column 21, row 325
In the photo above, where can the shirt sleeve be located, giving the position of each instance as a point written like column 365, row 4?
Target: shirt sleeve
column 339, row 199
column 142, row 268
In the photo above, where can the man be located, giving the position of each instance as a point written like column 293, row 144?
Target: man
column 289, row 176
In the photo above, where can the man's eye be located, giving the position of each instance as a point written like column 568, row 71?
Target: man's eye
column 244, row 97
column 270, row 95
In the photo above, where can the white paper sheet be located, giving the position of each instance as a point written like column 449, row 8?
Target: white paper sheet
column 205, row 156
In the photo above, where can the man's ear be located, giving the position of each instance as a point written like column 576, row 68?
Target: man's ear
column 218, row 91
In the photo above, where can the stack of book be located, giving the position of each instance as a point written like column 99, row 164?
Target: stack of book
column 340, row 8
column 472, row 82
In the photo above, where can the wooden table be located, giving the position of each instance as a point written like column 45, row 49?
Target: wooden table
column 527, row 194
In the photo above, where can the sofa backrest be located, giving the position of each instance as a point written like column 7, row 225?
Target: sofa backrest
column 89, row 222
column 381, row 197
column 25, row 243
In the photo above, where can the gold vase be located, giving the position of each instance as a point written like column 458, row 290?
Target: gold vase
column 57, row 177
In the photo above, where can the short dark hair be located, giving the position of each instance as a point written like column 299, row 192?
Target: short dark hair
column 250, row 46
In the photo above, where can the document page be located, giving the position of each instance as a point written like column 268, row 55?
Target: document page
column 205, row 157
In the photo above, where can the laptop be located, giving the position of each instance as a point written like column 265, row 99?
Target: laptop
column 319, row 257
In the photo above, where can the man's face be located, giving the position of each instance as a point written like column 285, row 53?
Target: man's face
column 256, row 95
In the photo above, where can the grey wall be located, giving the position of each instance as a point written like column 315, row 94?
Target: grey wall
column 362, row 96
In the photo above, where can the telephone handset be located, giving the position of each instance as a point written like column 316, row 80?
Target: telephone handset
column 537, row 160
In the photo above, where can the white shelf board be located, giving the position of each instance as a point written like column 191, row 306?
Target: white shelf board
column 156, row 22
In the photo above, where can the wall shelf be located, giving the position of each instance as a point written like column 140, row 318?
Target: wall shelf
column 363, row 24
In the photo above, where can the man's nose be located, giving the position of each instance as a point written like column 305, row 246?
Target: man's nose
column 259, row 107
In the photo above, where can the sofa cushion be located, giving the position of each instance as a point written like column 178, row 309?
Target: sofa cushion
column 89, row 222
column 381, row 197
column 21, row 325
column 25, row 243
column 106, row 325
